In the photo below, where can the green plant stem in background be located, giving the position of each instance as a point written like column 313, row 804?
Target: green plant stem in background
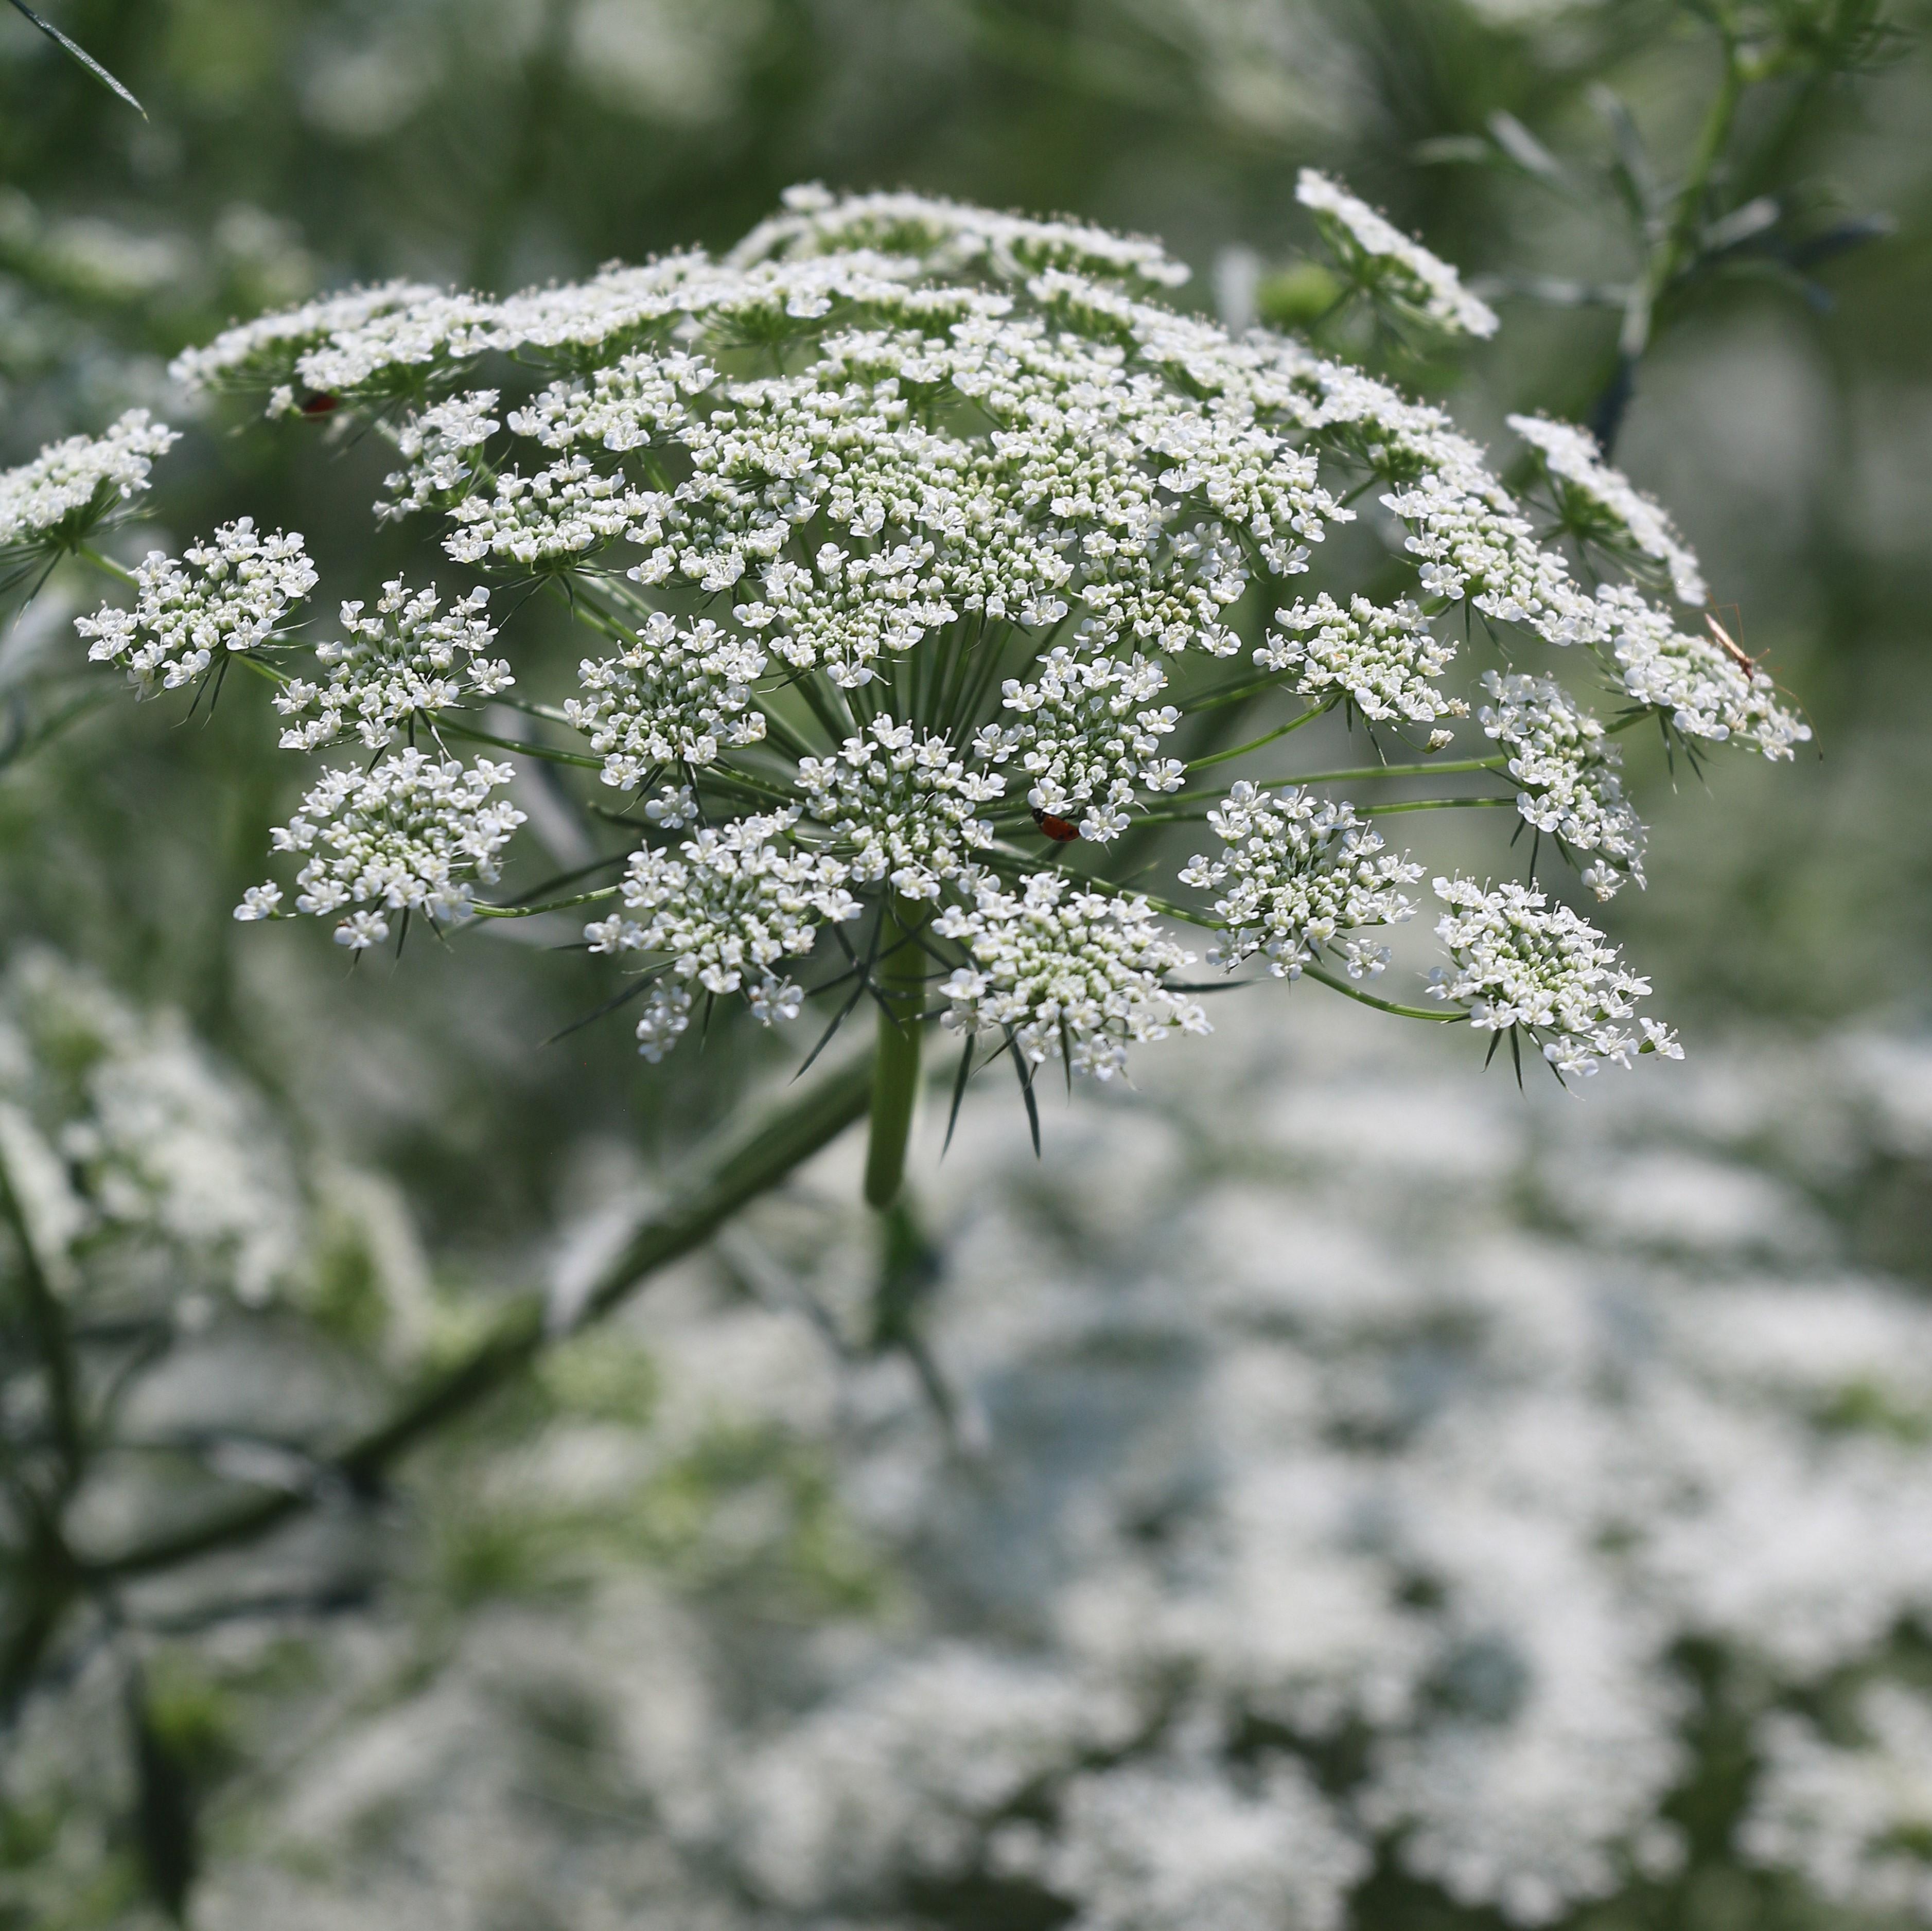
column 1675, row 247
column 745, row 1166
column 895, row 1067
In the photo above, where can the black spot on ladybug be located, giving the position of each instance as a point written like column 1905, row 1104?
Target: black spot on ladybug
column 1061, row 831
column 320, row 405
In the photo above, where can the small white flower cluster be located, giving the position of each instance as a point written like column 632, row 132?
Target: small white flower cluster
column 402, row 663
column 436, row 443
column 271, row 348
column 742, row 897
column 1376, row 253
column 901, row 807
column 950, row 237
column 1151, row 1846
column 635, row 400
column 60, row 498
column 1559, row 753
column 1065, row 973
column 1521, row 962
column 1387, row 661
column 674, row 694
column 563, row 512
column 241, row 587
column 1088, row 736
column 1469, row 534
column 845, row 613
column 1308, row 875
column 1695, row 682
column 411, row 834
column 129, row 1150
column 1598, row 501
column 1857, row 1821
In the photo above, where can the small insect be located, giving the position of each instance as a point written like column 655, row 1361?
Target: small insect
column 1732, row 649
column 320, row 405
column 1061, row 831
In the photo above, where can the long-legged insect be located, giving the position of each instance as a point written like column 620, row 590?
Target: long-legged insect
column 1735, row 651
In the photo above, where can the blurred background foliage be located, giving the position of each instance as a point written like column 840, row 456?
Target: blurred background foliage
column 1784, row 415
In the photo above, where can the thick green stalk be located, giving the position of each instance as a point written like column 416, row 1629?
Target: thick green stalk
column 901, row 985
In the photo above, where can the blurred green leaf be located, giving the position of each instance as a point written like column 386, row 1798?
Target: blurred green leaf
column 1630, row 170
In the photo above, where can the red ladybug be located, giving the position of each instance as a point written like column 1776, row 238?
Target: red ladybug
column 1061, row 831
column 320, row 405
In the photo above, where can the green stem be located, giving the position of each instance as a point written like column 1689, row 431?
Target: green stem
column 1367, row 771
column 444, row 722
column 1675, row 250
column 1434, row 804
column 1313, row 712
column 555, row 905
column 901, row 983
column 1342, row 986
column 745, row 1167
column 121, row 573
column 45, row 1316
column 1233, row 693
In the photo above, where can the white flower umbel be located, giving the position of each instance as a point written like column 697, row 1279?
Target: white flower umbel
column 1597, row 504
column 1379, row 257
column 1471, row 538
column 1066, row 973
column 1089, row 737
column 566, row 510
column 1387, row 662
column 1855, row 1822
column 1151, row 1846
column 121, row 1136
column 904, row 528
column 675, row 695
column 273, row 350
column 61, row 498
column 411, row 834
column 951, row 237
column 1306, row 876
column 900, row 807
column 1694, row 682
column 227, row 594
column 740, row 901
column 409, row 659
column 1560, row 755
column 1520, row 962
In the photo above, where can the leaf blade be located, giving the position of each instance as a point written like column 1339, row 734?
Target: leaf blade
column 76, row 52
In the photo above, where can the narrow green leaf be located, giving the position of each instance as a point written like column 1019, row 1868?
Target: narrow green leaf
column 1526, row 151
column 1025, row 1073
column 958, row 1091
column 75, row 51
column 1453, row 150
column 1630, row 169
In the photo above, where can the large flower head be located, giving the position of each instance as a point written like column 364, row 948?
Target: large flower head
column 925, row 549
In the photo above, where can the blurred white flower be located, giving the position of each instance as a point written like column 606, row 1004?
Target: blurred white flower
column 68, row 490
